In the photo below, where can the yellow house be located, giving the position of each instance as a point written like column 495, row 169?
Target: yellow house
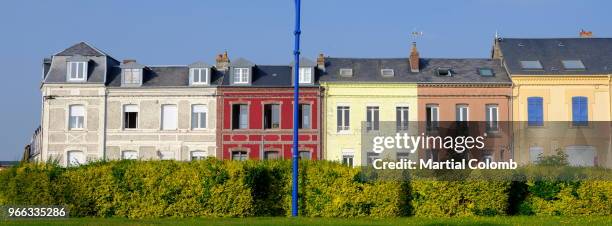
column 561, row 97
column 364, row 98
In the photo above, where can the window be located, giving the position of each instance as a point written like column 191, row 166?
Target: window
column 348, row 157
column 580, row 111
column 77, row 71
column 304, row 117
column 271, row 155
column 130, row 116
column 401, row 118
column 198, row 116
column 486, row 72
column 241, row 75
column 573, row 64
column 535, row 111
column 75, row 158
column 346, row 72
column 487, row 158
column 305, row 75
column 371, row 156
column 535, row 153
column 130, row 155
column 77, row 117
column 240, row 116
column 239, row 155
column 271, row 116
column 199, row 76
column 372, row 118
column 198, row 155
column 343, row 119
column 444, row 71
column 132, row 76
column 166, row 155
column 531, row 64
column 492, row 117
column 432, row 114
column 387, row 72
column 461, row 113
column 304, row 155
column 169, row 117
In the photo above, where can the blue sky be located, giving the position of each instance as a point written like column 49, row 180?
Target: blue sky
column 181, row 32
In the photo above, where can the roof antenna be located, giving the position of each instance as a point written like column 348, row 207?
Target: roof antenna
column 496, row 34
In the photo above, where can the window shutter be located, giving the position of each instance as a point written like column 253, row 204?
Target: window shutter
column 170, row 116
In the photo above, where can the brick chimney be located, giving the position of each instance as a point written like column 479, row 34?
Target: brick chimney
column 321, row 62
column 414, row 58
column 585, row 34
column 127, row 61
column 222, row 61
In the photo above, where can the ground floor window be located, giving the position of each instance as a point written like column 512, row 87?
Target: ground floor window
column 198, row 155
column 305, row 155
column 348, row 158
column 239, row 155
column 75, row 158
column 271, row 155
column 130, row 155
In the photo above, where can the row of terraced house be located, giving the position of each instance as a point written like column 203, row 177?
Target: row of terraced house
column 96, row 107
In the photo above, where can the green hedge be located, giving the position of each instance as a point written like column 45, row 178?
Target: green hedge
column 139, row 189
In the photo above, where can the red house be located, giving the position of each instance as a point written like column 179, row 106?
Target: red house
column 255, row 111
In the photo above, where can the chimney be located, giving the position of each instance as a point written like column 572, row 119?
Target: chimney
column 414, row 58
column 321, row 62
column 222, row 62
column 586, row 34
column 127, row 61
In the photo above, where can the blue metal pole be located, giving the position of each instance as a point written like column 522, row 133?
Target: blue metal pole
column 296, row 104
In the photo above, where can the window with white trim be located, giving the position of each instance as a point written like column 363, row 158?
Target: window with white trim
column 130, row 116
column 169, row 117
column 304, row 155
column 77, row 71
column 433, row 117
column 343, row 118
column 132, row 76
column 401, row 118
column 271, row 155
column 199, row 76
column 372, row 118
column 239, row 155
column 76, row 117
column 241, row 75
column 129, row 155
column 462, row 112
column 492, row 117
column 198, row 116
column 75, row 158
column 348, row 157
column 305, row 75
column 198, row 155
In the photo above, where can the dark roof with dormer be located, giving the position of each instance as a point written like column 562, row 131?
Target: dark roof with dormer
column 595, row 54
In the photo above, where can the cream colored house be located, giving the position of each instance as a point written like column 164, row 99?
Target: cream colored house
column 96, row 108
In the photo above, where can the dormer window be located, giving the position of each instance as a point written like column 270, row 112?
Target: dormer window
column 573, row 65
column 387, row 72
column 132, row 76
column 531, row 65
column 444, row 71
column 199, row 76
column 346, row 72
column 131, row 73
column 305, row 75
column 241, row 75
column 76, row 69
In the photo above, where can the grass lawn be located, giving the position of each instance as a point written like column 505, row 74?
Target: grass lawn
column 521, row 220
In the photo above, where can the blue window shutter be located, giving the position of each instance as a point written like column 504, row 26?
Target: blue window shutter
column 580, row 111
column 535, row 111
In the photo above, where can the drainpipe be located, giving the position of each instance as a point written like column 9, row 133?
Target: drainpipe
column 105, row 120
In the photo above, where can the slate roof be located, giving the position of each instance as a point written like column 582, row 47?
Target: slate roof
column 81, row 48
column 595, row 54
column 369, row 70
column 160, row 76
column 268, row 76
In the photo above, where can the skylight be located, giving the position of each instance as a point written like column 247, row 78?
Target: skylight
column 346, row 72
column 387, row 72
column 444, row 71
column 573, row 64
column 531, row 64
column 485, row 72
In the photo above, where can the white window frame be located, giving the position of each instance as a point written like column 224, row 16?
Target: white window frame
column 463, row 116
column 372, row 109
column 197, row 115
column 490, row 108
column 71, row 114
column 402, row 119
column 342, row 128
column 389, row 72
column 134, row 74
column 202, row 75
column 125, row 110
column 81, row 71
column 346, row 72
column 241, row 75
column 305, row 76
column 348, row 153
column 136, row 155
column 69, row 155
column 165, row 123
column 197, row 155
